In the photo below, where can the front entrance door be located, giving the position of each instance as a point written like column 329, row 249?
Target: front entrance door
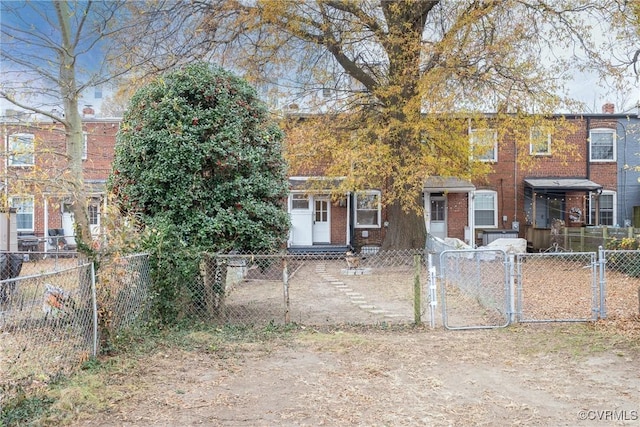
column 321, row 220
column 438, row 217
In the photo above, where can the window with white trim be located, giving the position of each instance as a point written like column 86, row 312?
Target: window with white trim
column 94, row 213
column 486, row 208
column 21, row 149
column 368, row 209
column 606, row 208
column 539, row 141
column 85, row 145
column 484, row 144
column 602, row 144
column 24, row 212
column 299, row 201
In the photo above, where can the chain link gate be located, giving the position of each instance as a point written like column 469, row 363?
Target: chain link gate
column 475, row 288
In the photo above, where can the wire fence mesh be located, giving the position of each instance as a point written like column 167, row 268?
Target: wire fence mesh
column 620, row 283
column 312, row 288
column 539, row 287
column 475, row 291
column 49, row 322
column 557, row 287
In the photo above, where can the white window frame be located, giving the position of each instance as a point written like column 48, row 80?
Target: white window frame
column 378, row 208
column 614, row 200
column 602, row 131
column 536, row 140
column 301, row 197
column 94, row 217
column 494, row 195
column 20, row 210
column 475, row 134
column 17, row 149
column 85, row 145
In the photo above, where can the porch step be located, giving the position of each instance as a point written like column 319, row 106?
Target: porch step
column 319, row 249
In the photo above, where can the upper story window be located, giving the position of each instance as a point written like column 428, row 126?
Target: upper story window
column 486, row 208
column 539, row 141
column 21, row 149
column 602, row 143
column 24, row 212
column 368, row 209
column 484, row 144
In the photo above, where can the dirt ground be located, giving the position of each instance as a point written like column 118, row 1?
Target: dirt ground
column 549, row 374
column 535, row 375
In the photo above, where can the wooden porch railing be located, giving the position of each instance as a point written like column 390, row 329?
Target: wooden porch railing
column 577, row 239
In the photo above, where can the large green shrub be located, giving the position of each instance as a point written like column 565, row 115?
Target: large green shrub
column 199, row 159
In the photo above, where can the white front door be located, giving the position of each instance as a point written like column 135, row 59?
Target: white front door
column 321, row 220
column 301, row 220
column 438, row 217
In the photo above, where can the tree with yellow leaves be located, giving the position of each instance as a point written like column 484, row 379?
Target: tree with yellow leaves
column 398, row 82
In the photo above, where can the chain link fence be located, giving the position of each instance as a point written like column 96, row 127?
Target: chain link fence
column 620, row 283
column 51, row 322
column 313, row 288
column 475, row 289
column 557, row 287
column 483, row 288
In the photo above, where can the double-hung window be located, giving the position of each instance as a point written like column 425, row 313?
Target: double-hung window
column 602, row 144
column 486, row 208
column 484, row 144
column 24, row 212
column 94, row 214
column 21, row 149
column 539, row 141
column 605, row 208
column 368, row 209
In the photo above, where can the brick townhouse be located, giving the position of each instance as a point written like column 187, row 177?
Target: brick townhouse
column 33, row 185
column 596, row 185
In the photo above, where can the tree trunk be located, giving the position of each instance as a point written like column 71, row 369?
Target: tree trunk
column 406, row 229
column 73, row 128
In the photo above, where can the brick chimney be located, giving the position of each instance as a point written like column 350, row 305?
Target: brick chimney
column 608, row 108
column 87, row 111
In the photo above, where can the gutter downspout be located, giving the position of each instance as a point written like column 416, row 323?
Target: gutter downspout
column 471, row 195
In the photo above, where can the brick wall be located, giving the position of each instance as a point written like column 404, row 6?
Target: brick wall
column 51, row 162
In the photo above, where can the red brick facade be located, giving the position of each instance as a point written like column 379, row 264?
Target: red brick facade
column 44, row 178
column 507, row 178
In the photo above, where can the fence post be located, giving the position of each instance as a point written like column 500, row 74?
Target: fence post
column 285, row 283
column 208, row 285
column 94, row 302
column 417, row 294
column 512, row 287
column 433, row 301
column 603, row 284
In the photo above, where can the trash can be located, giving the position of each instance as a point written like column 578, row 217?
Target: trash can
column 10, row 267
